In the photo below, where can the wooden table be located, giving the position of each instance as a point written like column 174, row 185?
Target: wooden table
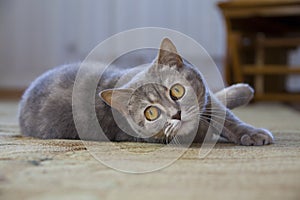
column 260, row 34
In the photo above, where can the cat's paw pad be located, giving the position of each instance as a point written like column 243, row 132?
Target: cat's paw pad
column 259, row 138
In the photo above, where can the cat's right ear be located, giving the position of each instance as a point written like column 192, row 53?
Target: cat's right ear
column 117, row 99
column 168, row 54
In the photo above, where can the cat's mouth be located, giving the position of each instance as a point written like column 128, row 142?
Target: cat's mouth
column 174, row 127
column 171, row 127
column 169, row 130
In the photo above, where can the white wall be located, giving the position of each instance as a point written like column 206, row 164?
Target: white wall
column 36, row 35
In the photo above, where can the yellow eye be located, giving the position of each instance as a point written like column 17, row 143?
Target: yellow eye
column 152, row 113
column 177, row 91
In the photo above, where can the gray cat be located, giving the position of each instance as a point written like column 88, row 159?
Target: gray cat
column 166, row 99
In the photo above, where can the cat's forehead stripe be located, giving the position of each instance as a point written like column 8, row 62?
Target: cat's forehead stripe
column 152, row 98
column 153, row 94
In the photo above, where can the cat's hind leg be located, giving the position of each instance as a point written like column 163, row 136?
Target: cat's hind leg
column 235, row 95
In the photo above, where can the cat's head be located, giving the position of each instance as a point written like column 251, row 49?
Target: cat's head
column 165, row 99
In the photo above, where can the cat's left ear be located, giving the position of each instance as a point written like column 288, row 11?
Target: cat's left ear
column 117, row 99
column 168, row 54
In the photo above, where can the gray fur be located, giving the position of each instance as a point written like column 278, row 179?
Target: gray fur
column 235, row 95
column 46, row 107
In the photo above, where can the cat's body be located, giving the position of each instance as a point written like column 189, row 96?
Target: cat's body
column 46, row 107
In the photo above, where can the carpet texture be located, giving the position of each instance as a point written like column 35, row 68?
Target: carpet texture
column 49, row 169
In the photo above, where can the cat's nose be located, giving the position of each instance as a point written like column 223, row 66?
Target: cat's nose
column 177, row 116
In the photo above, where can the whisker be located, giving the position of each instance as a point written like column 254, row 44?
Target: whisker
column 223, row 108
column 216, row 128
column 166, row 139
column 215, row 120
column 215, row 112
column 191, row 108
column 173, row 140
column 176, row 140
column 219, row 114
column 213, row 125
column 223, row 117
column 211, row 120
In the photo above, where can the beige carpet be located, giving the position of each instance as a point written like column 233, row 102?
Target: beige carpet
column 39, row 169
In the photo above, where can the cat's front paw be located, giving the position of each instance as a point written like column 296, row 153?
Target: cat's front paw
column 258, row 138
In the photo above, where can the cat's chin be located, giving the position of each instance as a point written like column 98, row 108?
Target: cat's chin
column 183, row 128
column 179, row 128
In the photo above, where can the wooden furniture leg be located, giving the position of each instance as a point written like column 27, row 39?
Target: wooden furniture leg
column 234, row 44
column 259, row 62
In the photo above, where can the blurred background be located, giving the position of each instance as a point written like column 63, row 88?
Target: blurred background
column 36, row 35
